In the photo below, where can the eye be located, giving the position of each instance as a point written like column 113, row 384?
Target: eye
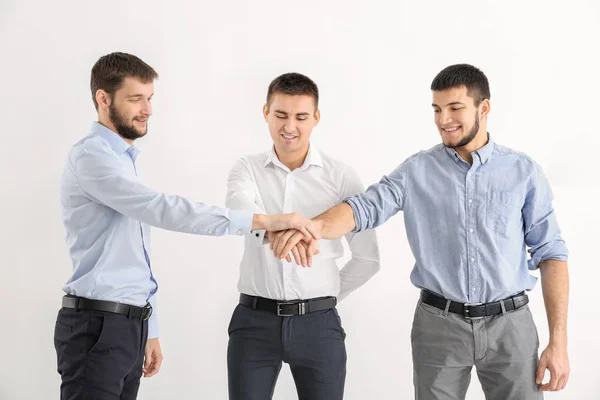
column 457, row 109
column 435, row 110
column 301, row 118
column 280, row 116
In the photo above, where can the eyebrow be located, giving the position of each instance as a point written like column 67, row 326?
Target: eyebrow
column 449, row 104
column 137, row 95
column 302, row 114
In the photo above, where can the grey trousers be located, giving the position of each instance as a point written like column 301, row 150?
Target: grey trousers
column 446, row 346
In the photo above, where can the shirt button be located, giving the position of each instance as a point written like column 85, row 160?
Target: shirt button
column 239, row 232
column 210, row 231
column 470, row 201
column 474, row 289
column 257, row 235
column 471, row 230
column 473, row 259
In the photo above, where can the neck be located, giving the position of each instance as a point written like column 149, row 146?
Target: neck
column 292, row 160
column 105, row 121
column 478, row 142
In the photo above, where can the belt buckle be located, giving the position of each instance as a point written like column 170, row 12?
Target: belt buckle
column 301, row 309
column 146, row 312
column 466, row 310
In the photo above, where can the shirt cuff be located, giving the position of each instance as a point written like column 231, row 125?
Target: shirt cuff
column 260, row 237
column 240, row 222
column 153, row 328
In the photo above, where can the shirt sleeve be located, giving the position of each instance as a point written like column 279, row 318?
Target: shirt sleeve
column 153, row 330
column 380, row 201
column 242, row 194
column 100, row 175
column 542, row 234
column 364, row 263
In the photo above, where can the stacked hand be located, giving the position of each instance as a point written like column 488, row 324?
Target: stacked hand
column 295, row 234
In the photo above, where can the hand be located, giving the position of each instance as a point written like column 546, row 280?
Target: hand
column 556, row 360
column 281, row 222
column 301, row 251
column 153, row 358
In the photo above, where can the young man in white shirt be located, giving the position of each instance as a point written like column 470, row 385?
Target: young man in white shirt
column 287, row 307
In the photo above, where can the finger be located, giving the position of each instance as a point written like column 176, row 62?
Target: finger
column 312, row 249
column 305, row 232
column 282, row 242
column 302, row 251
column 551, row 386
column 561, row 384
column 297, row 256
column 288, row 258
column 292, row 242
column 156, row 363
column 307, row 255
column 276, row 238
column 565, row 381
column 147, row 359
column 539, row 376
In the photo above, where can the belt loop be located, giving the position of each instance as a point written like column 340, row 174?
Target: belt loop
column 254, row 301
column 503, row 307
column 76, row 304
column 129, row 312
column 447, row 307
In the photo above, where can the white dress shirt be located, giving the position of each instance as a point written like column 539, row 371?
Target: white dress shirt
column 263, row 184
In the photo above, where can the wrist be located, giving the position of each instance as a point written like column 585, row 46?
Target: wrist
column 259, row 222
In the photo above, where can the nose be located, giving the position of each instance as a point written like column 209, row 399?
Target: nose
column 147, row 108
column 290, row 126
column 443, row 117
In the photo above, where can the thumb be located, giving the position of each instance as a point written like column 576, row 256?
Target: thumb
column 539, row 376
column 148, row 358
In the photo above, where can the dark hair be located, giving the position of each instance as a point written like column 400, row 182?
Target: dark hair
column 294, row 84
column 110, row 71
column 466, row 75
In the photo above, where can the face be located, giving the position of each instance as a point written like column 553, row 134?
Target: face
column 291, row 120
column 456, row 116
column 130, row 107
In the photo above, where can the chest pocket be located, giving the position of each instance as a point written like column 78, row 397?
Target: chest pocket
column 503, row 210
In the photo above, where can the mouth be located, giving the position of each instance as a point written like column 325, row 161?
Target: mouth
column 452, row 130
column 288, row 138
column 141, row 121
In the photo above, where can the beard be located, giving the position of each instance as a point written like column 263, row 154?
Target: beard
column 125, row 130
column 470, row 136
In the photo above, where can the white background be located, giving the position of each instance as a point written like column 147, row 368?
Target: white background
column 374, row 62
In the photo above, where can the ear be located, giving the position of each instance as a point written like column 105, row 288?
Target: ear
column 485, row 107
column 266, row 112
column 103, row 99
column 317, row 117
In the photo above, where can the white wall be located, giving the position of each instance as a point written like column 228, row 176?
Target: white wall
column 373, row 62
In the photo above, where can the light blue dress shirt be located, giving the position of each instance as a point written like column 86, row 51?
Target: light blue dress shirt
column 469, row 227
column 107, row 213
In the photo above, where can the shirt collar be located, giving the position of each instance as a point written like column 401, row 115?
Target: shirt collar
column 312, row 158
column 484, row 153
column 119, row 145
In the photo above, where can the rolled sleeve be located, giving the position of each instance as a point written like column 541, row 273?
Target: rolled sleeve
column 542, row 233
column 380, row 201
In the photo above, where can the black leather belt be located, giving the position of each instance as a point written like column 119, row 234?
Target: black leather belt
column 81, row 303
column 288, row 308
column 475, row 310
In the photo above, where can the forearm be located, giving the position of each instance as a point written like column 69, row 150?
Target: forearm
column 555, row 287
column 336, row 222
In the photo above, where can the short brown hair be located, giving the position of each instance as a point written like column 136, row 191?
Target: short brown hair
column 110, row 71
column 294, row 84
